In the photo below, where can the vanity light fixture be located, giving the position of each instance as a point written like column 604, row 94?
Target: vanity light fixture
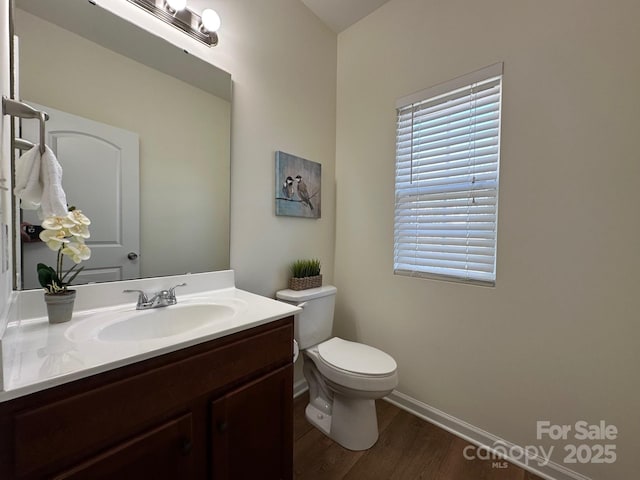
column 176, row 13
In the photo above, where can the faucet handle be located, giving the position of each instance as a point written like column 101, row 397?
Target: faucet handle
column 142, row 297
column 172, row 290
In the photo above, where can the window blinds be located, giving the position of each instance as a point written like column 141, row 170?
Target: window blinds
column 447, row 158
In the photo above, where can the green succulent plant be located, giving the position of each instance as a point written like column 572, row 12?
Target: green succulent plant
column 305, row 268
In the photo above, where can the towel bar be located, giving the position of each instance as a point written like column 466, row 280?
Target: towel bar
column 22, row 110
column 22, row 144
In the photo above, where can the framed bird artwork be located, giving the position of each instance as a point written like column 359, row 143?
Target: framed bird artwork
column 298, row 185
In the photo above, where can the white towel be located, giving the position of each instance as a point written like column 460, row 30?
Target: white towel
column 39, row 183
column 28, row 188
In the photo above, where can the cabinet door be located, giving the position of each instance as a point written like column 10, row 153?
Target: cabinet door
column 163, row 452
column 252, row 429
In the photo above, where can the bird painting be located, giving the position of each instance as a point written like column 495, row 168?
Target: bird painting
column 303, row 193
column 298, row 186
column 287, row 187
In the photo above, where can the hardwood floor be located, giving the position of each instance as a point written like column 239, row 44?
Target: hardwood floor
column 408, row 448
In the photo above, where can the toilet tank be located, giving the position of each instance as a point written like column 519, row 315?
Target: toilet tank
column 315, row 322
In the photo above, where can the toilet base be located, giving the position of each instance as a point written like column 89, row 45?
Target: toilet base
column 319, row 419
column 353, row 422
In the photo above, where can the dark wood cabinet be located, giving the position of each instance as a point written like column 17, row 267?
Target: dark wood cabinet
column 238, row 447
column 219, row 410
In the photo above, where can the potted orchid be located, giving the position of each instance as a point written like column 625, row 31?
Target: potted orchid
column 66, row 236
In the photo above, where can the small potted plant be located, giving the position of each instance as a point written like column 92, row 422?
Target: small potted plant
column 305, row 274
column 66, row 236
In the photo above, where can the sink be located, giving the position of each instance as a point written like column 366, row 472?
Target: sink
column 153, row 324
column 164, row 322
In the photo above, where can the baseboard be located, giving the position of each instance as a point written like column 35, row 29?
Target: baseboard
column 479, row 437
column 299, row 388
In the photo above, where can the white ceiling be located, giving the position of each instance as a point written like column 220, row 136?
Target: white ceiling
column 341, row 14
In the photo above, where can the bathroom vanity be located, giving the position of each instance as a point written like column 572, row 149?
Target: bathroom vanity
column 213, row 403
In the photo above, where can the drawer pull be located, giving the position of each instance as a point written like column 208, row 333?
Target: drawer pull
column 222, row 426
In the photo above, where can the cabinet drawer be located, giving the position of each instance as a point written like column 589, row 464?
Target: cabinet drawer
column 64, row 432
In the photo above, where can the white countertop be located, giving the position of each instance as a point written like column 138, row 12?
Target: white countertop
column 37, row 355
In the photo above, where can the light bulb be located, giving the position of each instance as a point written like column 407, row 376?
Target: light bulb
column 177, row 5
column 210, row 20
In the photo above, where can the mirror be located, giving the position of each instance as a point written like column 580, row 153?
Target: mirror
column 114, row 92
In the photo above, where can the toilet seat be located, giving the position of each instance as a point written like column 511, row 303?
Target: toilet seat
column 359, row 384
column 356, row 358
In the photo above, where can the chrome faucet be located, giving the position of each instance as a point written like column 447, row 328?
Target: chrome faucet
column 163, row 298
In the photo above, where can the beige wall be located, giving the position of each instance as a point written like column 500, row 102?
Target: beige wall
column 557, row 338
column 283, row 65
column 184, row 140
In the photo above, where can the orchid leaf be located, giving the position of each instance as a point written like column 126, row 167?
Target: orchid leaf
column 47, row 276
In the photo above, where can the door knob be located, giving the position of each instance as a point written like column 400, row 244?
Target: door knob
column 132, row 255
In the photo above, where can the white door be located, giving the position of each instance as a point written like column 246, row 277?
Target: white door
column 100, row 176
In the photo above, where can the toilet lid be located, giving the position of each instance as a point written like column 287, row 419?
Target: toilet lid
column 356, row 357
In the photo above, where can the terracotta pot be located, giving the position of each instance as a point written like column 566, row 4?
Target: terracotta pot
column 60, row 306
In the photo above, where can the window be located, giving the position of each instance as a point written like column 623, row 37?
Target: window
column 447, row 159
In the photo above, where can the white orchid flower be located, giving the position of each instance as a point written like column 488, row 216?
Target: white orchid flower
column 66, row 236
column 57, row 223
column 81, row 231
column 54, row 238
column 77, row 251
column 77, row 217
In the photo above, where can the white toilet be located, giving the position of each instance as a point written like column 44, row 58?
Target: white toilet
column 344, row 377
